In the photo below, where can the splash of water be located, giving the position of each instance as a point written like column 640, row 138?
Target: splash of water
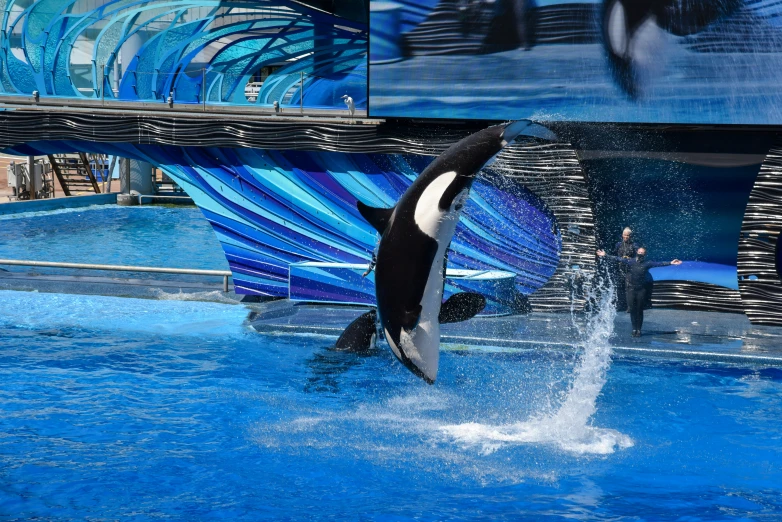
column 210, row 296
column 569, row 426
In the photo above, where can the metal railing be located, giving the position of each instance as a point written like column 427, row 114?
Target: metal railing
column 281, row 95
column 225, row 274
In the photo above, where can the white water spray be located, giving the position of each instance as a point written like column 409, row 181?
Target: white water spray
column 569, row 426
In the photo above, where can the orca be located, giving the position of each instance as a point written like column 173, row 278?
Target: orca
column 415, row 235
column 360, row 335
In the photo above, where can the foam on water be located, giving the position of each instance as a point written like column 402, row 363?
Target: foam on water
column 213, row 296
column 568, row 426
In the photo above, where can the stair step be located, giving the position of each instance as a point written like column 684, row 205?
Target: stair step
column 75, row 176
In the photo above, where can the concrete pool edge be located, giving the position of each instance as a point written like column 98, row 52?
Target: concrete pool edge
column 670, row 333
column 42, row 205
column 205, row 289
column 452, row 343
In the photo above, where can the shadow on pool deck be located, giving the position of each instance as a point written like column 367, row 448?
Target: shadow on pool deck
column 667, row 333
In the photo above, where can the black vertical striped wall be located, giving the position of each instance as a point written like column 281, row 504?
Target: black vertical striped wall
column 759, row 282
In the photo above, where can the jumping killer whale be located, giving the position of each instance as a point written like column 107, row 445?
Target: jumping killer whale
column 415, row 235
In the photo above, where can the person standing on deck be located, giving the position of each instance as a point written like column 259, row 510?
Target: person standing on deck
column 635, row 283
column 625, row 249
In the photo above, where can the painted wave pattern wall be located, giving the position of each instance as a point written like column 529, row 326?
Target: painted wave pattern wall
column 271, row 208
column 192, row 50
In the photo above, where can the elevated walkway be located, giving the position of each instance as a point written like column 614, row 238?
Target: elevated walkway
column 39, row 123
column 10, row 102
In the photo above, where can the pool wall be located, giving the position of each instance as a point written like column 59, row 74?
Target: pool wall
column 42, row 205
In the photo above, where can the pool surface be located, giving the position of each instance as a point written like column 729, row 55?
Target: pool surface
column 147, row 410
column 112, row 235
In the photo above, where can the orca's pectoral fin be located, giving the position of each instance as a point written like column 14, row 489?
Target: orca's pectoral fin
column 462, row 306
column 377, row 217
column 360, row 335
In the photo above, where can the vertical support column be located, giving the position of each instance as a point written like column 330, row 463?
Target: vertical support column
column 117, row 65
column 107, row 182
column 54, row 190
column 135, row 181
column 31, row 175
column 203, row 87
column 124, row 176
column 136, row 177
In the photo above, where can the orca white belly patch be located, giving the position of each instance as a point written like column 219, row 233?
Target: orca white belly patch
column 427, row 210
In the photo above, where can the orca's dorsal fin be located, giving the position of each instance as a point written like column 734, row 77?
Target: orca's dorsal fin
column 377, row 217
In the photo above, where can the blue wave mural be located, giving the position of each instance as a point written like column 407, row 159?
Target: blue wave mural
column 346, row 284
column 271, row 209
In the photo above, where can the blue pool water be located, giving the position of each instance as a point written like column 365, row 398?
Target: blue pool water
column 109, row 234
column 177, row 411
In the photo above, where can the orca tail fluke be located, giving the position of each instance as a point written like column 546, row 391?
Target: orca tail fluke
column 462, row 306
column 360, row 335
column 415, row 370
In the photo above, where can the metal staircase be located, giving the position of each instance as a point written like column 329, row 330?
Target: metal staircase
column 80, row 173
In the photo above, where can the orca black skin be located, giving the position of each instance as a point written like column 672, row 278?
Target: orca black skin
column 415, row 236
column 359, row 336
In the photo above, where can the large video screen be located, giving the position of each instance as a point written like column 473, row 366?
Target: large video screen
column 658, row 61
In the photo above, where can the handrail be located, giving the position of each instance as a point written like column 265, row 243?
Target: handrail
column 122, row 268
column 219, row 110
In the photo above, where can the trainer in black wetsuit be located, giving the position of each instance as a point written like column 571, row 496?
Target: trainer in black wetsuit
column 625, row 248
column 635, row 283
